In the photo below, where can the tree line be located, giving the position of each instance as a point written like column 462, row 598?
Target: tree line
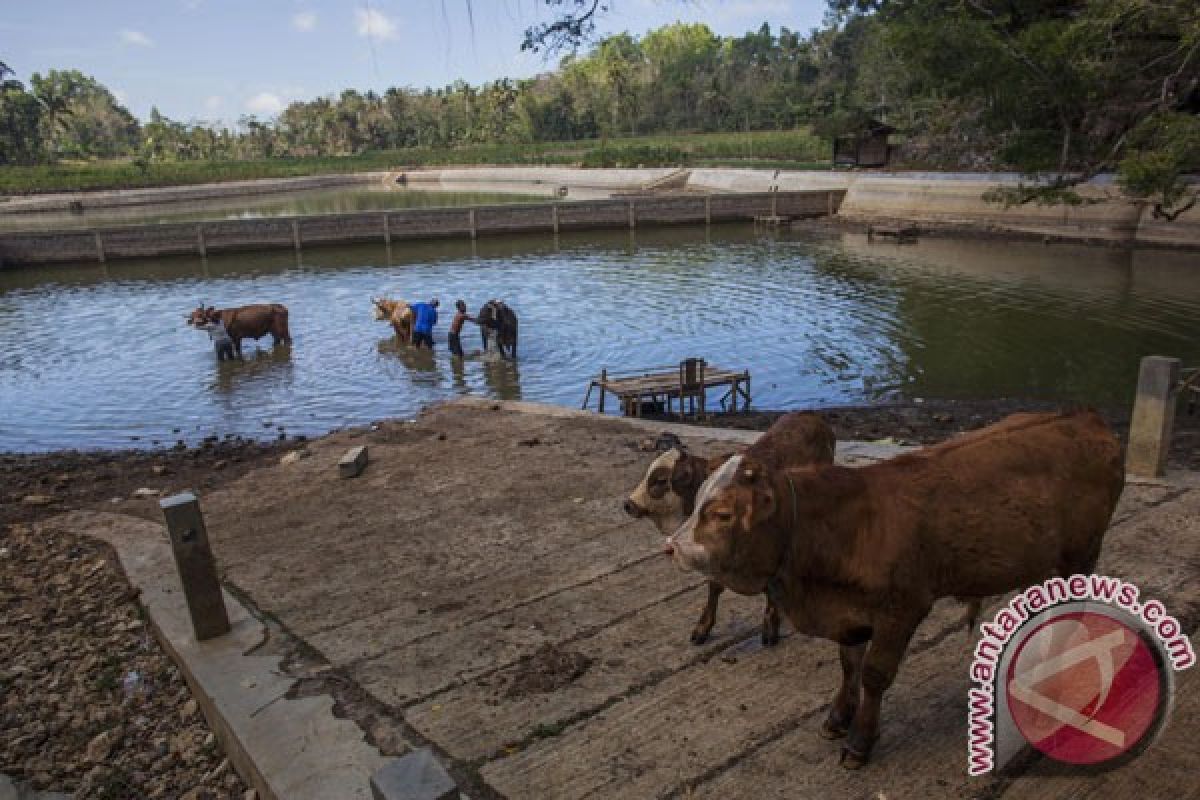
column 1061, row 89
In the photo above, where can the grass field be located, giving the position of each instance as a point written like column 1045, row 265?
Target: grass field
column 780, row 149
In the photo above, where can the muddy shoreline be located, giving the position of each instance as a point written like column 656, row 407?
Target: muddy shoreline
column 39, row 485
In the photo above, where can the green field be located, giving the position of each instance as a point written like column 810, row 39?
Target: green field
column 779, row 149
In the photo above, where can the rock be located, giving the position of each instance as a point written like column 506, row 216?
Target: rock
column 37, row 499
column 189, row 710
column 145, row 492
column 290, row 458
column 101, row 745
column 159, row 469
column 220, row 464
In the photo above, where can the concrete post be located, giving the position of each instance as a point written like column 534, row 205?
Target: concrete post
column 201, row 245
column 829, row 203
column 296, row 235
column 1153, row 417
column 554, row 217
column 387, row 231
column 775, row 203
column 99, row 246
column 632, row 216
column 708, row 209
column 197, row 569
column 471, row 220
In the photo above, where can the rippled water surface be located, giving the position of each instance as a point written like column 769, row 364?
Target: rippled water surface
column 94, row 355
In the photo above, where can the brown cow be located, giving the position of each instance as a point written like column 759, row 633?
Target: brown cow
column 667, row 494
column 860, row 555
column 397, row 312
column 248, row 322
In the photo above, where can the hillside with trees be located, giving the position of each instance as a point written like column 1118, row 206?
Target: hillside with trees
column 1062, row 90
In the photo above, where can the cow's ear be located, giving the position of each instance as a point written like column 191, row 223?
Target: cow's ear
column 687, row 474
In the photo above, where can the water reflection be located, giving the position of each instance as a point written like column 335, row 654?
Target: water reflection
column 264, row 367
column 502, row 376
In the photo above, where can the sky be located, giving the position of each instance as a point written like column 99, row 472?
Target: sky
column 215, row 60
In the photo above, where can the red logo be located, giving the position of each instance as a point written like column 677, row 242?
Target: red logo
column 1085, row 688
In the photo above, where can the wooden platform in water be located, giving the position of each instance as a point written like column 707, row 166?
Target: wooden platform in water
column 661, row 388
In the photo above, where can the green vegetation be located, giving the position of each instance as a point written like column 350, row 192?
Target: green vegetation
column 797, row 149
column 1059, row 90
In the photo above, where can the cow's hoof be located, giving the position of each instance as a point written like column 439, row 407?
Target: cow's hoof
column 770, row 637
column 835, row 725
column 852, row 759
column 699, row 637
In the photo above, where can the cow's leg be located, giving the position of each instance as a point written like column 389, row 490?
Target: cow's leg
column 845, row 703
column 879, row 667
column 770, row 624
column 237, row 347
column 708, row 616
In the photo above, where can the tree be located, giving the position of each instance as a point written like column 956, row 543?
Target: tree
column 20, row 116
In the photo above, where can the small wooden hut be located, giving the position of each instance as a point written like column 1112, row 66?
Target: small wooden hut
column 866, row 147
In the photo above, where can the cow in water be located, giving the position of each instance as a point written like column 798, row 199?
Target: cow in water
column 399, row 314
column 246, row 322
column 498, row 320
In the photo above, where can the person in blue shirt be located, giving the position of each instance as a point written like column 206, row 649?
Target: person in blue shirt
column 426, row 318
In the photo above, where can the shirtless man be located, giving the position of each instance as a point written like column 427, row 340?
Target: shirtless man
column 456, row 324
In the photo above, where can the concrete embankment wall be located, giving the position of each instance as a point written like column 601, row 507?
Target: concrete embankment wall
column 956, row 201
column 119, row 198
column 611, row 179
column 389, row 226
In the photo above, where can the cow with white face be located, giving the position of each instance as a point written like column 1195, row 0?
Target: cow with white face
column 667, row 494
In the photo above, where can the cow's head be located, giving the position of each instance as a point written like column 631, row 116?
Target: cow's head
column 383, row 307
column 668, row 490
column 201, row 315
column 731, row 534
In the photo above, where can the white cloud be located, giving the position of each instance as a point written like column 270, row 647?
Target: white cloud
column 305, row 21
column 136, row 38
column 375, row 25
column 265, row 103
column 213, row 102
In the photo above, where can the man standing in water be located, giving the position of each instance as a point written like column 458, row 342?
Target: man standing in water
column 222, row 343
column 426, row 318
column 460, row 317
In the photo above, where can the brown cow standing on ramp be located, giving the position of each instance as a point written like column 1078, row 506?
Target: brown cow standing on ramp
column 248, row 322
column 667, row 494
column 860, row 555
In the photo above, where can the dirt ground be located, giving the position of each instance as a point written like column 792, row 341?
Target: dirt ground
column 479, row 586
column 478, row 590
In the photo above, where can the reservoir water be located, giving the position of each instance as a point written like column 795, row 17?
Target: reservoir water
column 96, row 355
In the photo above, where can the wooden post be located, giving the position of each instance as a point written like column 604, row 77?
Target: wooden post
column 603, row 381
column 99, row 246
column 829, row 203
column 1153, row 417
column 708, row 209
column 554, row 217
column 774, row 204
column 197, row 569
column 201, row 245
column 387, row 230
column 296, row 234
column 471, row 221
column 632, row 216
